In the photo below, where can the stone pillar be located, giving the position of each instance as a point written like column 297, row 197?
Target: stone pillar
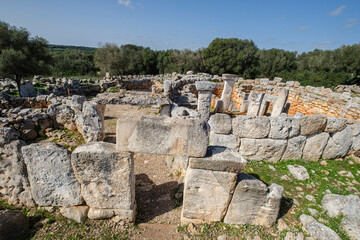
column 255, row 100
column 204, row 98
column 244, row 106
column 219, row 106
column 280, row 103
column 229, row 80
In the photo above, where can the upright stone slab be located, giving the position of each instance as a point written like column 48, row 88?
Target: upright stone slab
column 315, row 145
column 294, row 148
column 162, row 135
column 255, row 99
column 229, row 81
column 244, row 106
column 254, row 203
column 106, row 176
column 204, row 97
column 51, row 176
column 280, row 103
column 339, row 144
column 207, row 195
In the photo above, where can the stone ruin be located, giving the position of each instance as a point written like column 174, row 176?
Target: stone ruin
column 97, row 180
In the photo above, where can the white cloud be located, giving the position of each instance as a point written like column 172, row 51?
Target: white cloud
column 126, row 3
column 338, row 10
column 351, row 22
column 302, row 28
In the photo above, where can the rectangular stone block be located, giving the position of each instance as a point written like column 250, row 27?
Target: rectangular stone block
column 270, row 150
column 219, row 159
column 162, row 135
column 207, row 195
column 51, row 177
column 106, row 176
column 229, row 141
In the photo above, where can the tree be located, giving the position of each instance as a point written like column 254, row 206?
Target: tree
column 22, row 55
column 231, row 55
column 274, row 61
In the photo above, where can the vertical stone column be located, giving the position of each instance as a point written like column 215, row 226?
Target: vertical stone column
column 229, row 80
column 255, row 100
column 204, row 98
column 280, row 103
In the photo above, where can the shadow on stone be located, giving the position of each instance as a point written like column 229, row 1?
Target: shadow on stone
column 285, row 205
column 153, row 200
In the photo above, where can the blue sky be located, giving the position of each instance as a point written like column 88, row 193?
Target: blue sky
column 295, row 25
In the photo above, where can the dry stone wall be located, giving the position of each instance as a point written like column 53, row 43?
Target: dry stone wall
column 275, row 138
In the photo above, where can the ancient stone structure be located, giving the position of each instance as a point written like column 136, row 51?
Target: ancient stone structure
column 229, row 81
column 204, row 99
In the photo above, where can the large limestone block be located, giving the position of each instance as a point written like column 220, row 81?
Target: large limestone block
column 317, row 230
column 219, row 159
column 315, row 145
column 270, row 150
column 284, row 127
column 339, row 144
column 51, row 176
column 90, row 122
column 207, row 195
column 205, row 86
column 335, row 124
column 220, row 123
column 106, row 176
column 278, row 107
column 229, row 141
column 294, row 148
column 251, row 127
column 255, row 99
column 161, row 135
column 62, row 116
column 312, row 124
column 254, row 203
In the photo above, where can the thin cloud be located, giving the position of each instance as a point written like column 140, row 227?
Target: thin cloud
column 351, row 22
column 338, row 10
column 126, row 3
column 302, row 28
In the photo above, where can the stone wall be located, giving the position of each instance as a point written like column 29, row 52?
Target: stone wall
column 275, row 138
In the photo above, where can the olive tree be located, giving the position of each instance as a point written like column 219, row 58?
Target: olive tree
column 21, row 55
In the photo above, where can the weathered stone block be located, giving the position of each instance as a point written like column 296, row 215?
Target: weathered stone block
column 251, row 127
column 335, row 124
column 207, row 195
column 77, row 213
column 161, row 135
column 312, row 124
column 220, row 123
column 294, row 148
column 229, row 141
column 106, row 176
column 254, row 203
column 51, row 176
column 315, row 145
column 339, row 144
column 262, row 149
column 219, row 159
column 91, row 121
column 281, row 127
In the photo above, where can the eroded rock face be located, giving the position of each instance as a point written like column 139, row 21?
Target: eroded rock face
column 335, row 124
column 63, row 116
column 51, row 176
column 220, row 123
column 162, row 135
column 262, row 149
column 91, row 121
column 284, row 127
column 254, row 203
column 251, row 127
column 106, row 176
column 213, row 187
column 14, row 183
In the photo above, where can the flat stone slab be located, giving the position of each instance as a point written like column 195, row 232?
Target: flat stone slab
column 51, row 176
column 162, row 135
column 205, row 86
column 219, row 159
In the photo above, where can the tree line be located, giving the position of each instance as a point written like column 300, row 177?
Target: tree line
column 22, row 56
